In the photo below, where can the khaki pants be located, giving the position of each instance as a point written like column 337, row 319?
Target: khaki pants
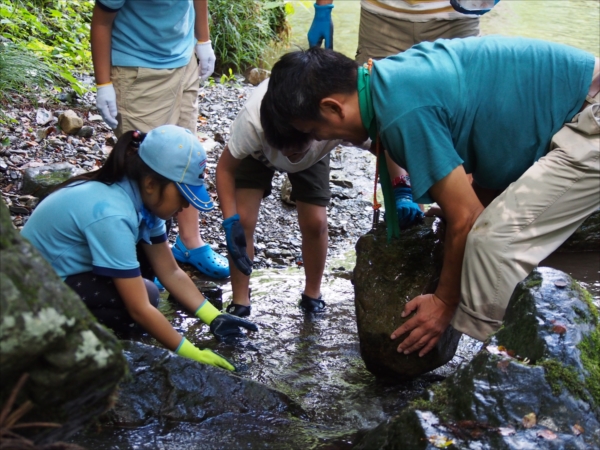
column 380, row 36
column 149, row 98
column 527, row 222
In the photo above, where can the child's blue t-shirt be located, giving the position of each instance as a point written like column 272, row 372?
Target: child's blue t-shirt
column 91, row 227
column 155, row 34
column 491, row 104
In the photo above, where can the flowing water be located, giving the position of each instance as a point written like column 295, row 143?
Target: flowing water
column 572, row 22
column 316, row 360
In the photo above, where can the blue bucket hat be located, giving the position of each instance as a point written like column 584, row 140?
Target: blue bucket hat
column 176, row 154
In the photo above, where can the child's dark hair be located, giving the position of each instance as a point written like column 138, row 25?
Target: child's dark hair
column 123, row 161
column 299, row 81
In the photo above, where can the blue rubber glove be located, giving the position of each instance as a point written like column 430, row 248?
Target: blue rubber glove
column 409, row 212
column 236, row 244
column 322, row 27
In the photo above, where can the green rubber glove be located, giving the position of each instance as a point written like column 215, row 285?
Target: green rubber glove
column 188, row 350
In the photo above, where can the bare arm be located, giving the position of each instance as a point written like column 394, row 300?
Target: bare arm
column 134, row 295
column 172, row 277
column 101, row 37
column 201, row 26
column 226, row 182
column 324, row 2
column 461, row 208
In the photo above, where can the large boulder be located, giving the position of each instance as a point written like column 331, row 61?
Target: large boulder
column 387, row 275
column 164, row 386
column 586, row 238
column 535, row 384
column 74, row 364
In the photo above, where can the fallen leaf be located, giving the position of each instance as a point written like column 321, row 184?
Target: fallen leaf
column 560, row 284
column 547, row 434
column 440, row 441
column 503, row 365
column 577, row 429
column 529, row 420
column 467, row 424
column 559, row 328
column 506, row 431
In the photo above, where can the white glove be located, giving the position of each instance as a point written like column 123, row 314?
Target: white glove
column 206, row 59
column 106, row 102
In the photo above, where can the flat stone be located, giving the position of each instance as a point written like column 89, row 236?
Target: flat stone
column 39, row 181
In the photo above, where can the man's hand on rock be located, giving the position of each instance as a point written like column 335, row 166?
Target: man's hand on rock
column 425, row 328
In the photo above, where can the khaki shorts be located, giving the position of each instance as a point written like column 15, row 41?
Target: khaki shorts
column 309, row 185
column 527, row 222
column 149, row 98
column 381, row 36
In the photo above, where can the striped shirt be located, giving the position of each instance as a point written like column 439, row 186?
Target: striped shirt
column 413, row 10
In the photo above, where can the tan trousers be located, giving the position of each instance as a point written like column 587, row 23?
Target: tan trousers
column 381, row 36
column 149, row 98
column 527, row 222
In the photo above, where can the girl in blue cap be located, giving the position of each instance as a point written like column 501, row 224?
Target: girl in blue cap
column 92, row 226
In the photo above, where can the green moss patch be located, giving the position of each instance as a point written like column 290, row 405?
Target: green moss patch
column 590, row 358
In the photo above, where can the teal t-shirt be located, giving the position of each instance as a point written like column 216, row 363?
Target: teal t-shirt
column 91, row 227
column 154, row 34
column 491, row 104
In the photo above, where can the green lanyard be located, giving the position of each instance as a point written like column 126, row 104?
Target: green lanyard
column 367, row 114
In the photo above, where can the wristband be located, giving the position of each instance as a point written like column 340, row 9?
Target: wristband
column 402, row 180
column 206, row 312
column 103, row 84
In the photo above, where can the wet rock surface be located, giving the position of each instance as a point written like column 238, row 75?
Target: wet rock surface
column 162, row 385
column 535, row 384
column 586, row 238
column 74, row 364
column 386, row 277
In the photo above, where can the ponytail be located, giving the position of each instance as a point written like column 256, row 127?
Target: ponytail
column 123, row 162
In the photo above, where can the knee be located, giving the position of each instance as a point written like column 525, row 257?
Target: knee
column 314, row 228
column 153, row 293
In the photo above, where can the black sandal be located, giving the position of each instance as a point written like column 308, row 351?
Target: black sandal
column 309, row 304
column 238, row 310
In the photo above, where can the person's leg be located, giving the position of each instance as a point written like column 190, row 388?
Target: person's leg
column 252, row 184
column 103, row 300
column 315, row 239
column 310, row 190
column 248, row 204
column 189, row 218
column 381, row 36
column 446, row 29
column 524, row 225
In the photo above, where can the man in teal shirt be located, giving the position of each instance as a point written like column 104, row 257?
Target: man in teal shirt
column 493, row 107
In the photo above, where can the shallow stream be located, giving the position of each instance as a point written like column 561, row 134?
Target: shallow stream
column 315, row 360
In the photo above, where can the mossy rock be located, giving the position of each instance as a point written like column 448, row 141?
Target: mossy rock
column 74, row 364
column 543, row 361
column 387, row 275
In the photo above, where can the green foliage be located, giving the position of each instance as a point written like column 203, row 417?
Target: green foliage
column 57, row 31
column 227, row 78
column 243, row 31
column 20, row 71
